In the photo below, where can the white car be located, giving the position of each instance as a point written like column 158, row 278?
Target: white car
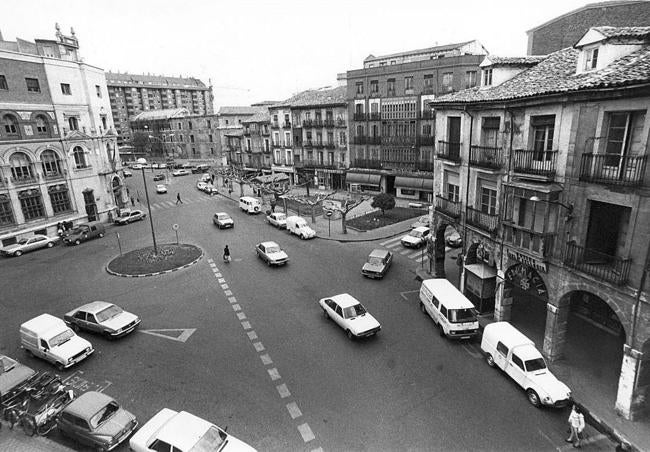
column 349, row 314
column 271, row 253
column 24, row 245
column 170, row 430
column 127, row 173
column 277, row 219
column 180, row 172
column 161, row 188
column 222, row 220
column 162, row 165
column 201, row 185
column 206, row 178
column 416, row 238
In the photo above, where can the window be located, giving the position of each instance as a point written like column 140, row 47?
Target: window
column 21, row 166
column 428, row 84
column 189, row 125
column 390, row 86
column 3, row 83
column 59, row 198
column 517, row 361
column 50, row 163
column 408, row 83
column 33, row 85
column 443, row 311
column 31, row 204
column 98, row 90
column 210, row 139
column 79, row 157
column 487, row 77
column 359, row 87
column 342, row 139
column 448, row 80
column 501, row 348
column 73, row 122
column 374, row 86
column 488, row 200
column 104, row 122
column 209, row 124
column 591, row 59
column 10, row 124
column 490, row 131
column 65, row 89
column 287, row 138
column 453, row 192
column 543, row 130
column 470, row 79
column 6, row 214
column 191, row 138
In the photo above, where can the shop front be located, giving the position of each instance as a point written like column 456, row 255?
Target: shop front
column 363, row 182
column 416, row 188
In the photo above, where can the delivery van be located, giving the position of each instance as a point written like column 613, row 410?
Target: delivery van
column 454, row 314
column 298, row 226
column 508, row 349
column 84, row 232
column 250, row 205
column 49, row 338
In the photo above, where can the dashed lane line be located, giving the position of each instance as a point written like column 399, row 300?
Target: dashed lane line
column 305, row 431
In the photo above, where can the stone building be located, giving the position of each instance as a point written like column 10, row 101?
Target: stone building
column 565, row 30
column 543, row 170
column 255, row 154
column 58, row 151
column 391, row 129
column 131, row 94
column 231, row 132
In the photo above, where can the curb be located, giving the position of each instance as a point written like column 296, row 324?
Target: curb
column 125, row 275
column 342, row 240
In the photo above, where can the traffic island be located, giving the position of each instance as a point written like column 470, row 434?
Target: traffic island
column 144, row 262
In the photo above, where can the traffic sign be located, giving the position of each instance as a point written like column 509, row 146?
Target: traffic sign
column 175, row 227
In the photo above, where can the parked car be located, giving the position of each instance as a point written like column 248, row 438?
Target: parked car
column 24, row 245
column 161, row 188
column 158, row 177
column 96, row 420
column 377, row 264
column 211, row 189
column 200, row 169
column 206, row 178
column 348, row 313
column 277, row 219
column 222, row 220
column 271, row 253
column 12, row 375
column 162, row 165
column 170, row 430
column 102, row 317
column 454, row 240
column 154, row 166
column 84, row 232
column 201, row 185
column 421, row 221
column 129, row 216
column 416, row 238
column 136, row 166
column 180, row 172
column 127, row 173
column 298, row 226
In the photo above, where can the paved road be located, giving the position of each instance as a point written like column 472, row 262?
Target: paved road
column 246, row 346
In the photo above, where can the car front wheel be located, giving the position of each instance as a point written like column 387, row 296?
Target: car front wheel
column 77, row 242
column 350, row 335
column 533, row 398
column 326, row 315
column 18, row 253
column 101, row 235
column 50, row 244
column 490, row 360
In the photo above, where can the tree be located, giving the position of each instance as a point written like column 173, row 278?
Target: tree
column 383, row 201
column 346, row 206
column 320, row 197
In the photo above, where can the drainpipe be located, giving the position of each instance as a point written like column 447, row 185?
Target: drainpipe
column 461, row 261
column 505, row 196
column 637, row 299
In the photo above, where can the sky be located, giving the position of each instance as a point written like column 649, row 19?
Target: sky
column 252, row 51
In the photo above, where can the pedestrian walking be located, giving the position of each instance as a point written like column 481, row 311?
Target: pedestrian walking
column 178, row 198
column 226, row 254
column 132, row 202
column 577, row 425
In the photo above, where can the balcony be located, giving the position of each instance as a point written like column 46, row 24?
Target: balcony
column 366, row 163
column 318, row 144
column 538, row 244
column 282, row 162
column 427, row 114
column 340, row 123
column 317, row 123
column 426, row 141
column 247, row 132
column 307, row 123
column 424, row 166
column 266, row 132
column 359, row 116
column 448, row 207
column 399, row 141
column 536, row 163
column 359, row 139
column 308, row 144
column 276, row 145
column 286, row 125
column 375, row 116
column 24, row 180
column 482, row 220
column 329, row 123
column 330, row 145
column 275, row 125
column 53, row 175
column 310, row 163
column 373, row 140
column 602, row 266
column 448, row 150
column 429, row 89
column 613, row 169
column 486, row 157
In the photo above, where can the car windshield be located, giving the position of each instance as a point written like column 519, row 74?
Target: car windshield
column 108, row 313
column 104, row 414
column 212, row 440
column 535, row 364
column 77, row 231
column 374, row 260
column 22, row 241
column 61, row 338
column 280, row 216
column 273, row 249
column 353, row 311
column 417, row 234
column 223, row 216
column 6, row 364
column 462, row 315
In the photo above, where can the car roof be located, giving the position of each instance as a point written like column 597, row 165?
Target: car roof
column 183, row 430
column 267, row 244
column 220, row 213
column 345, row 300
column 88, row 404
column 94, row 306
column 379, row 253
column 421, row 228
column 445, row 291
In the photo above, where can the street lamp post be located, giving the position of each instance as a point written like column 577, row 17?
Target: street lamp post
column 146, row 193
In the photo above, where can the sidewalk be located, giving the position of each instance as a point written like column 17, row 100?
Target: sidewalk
column 16, row 441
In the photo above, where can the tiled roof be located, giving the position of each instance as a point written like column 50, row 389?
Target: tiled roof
column 260, row 116
column 530, row 60
column 239, row 110
column 152, row 115
column 557, row 74
column 624, row 32
column 316, row 97
column 113, row 78
column 441, row 48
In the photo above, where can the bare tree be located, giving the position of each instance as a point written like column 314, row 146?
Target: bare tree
column 320, row 197
column 346, row 206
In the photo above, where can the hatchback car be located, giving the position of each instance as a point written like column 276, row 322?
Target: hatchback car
column 278, row 219
column 222, row 220
column 350, row 315
column 158, row 177
column 127, row 173
column 102, row 317
column 170, row 430
column 201, row 185
column 271, row 253
column 180, row 172
column 96, row 420
column 161, row 188
column 416, row 238
column 454, row 240
column 377, row 264
column 130, row 216
column 27, row 244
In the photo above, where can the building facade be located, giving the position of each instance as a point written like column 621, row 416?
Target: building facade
column 391, row 128
column 255, row 153
column 58, row 147
column 131, row 94
column 543, row 170
column 231, row 132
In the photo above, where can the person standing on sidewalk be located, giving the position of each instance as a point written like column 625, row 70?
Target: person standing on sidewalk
column 577, row 425
column 178, row 198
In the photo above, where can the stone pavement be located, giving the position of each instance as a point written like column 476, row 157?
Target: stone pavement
column 16, row 441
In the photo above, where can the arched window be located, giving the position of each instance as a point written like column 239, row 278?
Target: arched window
column 21, row 167
column 79, row 157
column 41, row 125
column 73, row 122
column 51, row 163
column 10, row 124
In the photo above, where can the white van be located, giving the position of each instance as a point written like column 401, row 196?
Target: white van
column 454, row 314
column 508, row 349
column 298, row 226
column 250, row 205
column 49, row 338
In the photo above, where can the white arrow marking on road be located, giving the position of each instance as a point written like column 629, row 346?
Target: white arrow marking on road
column 403, row 294
column 472, row 351
column 183, row 337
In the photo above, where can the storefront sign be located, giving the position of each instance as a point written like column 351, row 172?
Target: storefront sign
column 527, row 260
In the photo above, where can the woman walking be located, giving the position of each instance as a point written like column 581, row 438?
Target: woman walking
column 577, row 425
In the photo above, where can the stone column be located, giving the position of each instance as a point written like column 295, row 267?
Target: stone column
column 632, row 391
column 502, row 299
column 557, row 318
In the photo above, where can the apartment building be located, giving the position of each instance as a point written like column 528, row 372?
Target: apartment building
column 255, row 154
column 58, row 149
column 543, row 171
column 131, row 94
column 391, row 128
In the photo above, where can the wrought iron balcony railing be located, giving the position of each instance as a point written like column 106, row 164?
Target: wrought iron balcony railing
column 482, row 220
column 538, row 163
column 448, row 150
column 366, row 163
column 539, row 244
column 447, row 206
column 486, row 156
column 603, row 266
column 613, row 169
column 359, row 116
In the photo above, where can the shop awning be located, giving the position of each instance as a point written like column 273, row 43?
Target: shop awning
column 363, row 179
column 481, row 270
column 272, row 178
column 416, row 183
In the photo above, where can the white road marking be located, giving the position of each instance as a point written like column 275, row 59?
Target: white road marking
column 305, row 431
column 266, row 359
column 274, row 374
column 246, row 325
column 405, row 251
column 416, row 254
column 228, row 293
column 293, row 409
column 393, row 240
column 283, row 391
column 232, row 299
column 422, row 259
column 221, row 280
column 252, row 335
column 320, row 449
column 236, row 307
column 224, row 286
column 472, row 351
column 259, row 347
column 403, row 294
column 218, row 275
column 241, row 315
column 183, row 337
